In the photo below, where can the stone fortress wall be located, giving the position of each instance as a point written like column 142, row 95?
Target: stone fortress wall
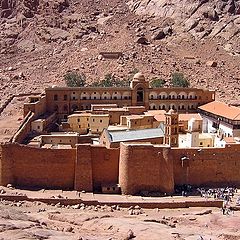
column 136, row 167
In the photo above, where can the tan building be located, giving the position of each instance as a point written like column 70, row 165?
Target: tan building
column 66, row 100
column 138, row 122
column 40, row 125
column 88, row 122
column 55, row 140
column 98, row 122
column 79, row 122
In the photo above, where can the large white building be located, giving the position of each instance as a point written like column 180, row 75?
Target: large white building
column 221, row 118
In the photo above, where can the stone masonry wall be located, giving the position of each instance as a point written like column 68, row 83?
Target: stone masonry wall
column 207, row 166
column 33, row 167
column 145, row 168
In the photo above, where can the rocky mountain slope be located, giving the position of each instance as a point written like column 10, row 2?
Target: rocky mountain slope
column 40, row 40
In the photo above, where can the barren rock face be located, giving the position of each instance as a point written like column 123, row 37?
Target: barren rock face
column 44, row 39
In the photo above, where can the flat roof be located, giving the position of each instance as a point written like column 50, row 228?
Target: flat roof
column 222, row 109
column 132, row 135
column 138, row 116
column 62, row 134
column 181, row 117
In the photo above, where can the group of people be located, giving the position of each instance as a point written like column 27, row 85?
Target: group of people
column 225, row 194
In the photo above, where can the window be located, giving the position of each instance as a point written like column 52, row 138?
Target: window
column 55, row 97
column 65, row 97
column 38, row 127
column 94, row 92
column 73, row 92
column 74, row 98
column 78, row 120
column 201, row 143
column 93, row 120
column 100, row 120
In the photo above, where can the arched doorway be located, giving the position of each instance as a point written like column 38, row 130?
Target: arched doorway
column 140, row 95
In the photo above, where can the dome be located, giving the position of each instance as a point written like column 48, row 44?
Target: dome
column 139, row 77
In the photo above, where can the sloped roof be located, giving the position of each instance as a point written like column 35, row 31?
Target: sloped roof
column 133, row 135
column 222, row 109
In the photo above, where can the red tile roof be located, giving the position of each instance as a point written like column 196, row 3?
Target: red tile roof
column 222, row 109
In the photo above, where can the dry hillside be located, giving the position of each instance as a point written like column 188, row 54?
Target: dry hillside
column 40, row 40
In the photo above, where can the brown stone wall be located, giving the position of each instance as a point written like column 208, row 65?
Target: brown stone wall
column 207, row 167
column 6, row 166
column 83, row 168
column 145, row 167
column 32, row 167
column 105, row 165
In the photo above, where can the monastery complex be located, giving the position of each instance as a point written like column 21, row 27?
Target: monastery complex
column 124, row 140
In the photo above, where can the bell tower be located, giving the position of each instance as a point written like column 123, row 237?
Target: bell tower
column 139, row 87
column 171, row 128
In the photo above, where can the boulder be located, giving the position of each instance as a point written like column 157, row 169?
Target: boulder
column 142, row 40
column 211, row 63
column 159, row 35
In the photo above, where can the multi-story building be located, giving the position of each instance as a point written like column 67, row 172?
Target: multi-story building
column 66, row 100
column 221, row 118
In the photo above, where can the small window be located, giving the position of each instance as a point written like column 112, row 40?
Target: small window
column 100, row 120
column 78, row 120
column 74, row 98
column 94, row 92
column 201, row 143
column 93, row 120
column 87, row 119
column 38, row 127
column 55, row 97
column 73, row 92
column 60, row 140
column 65, row 97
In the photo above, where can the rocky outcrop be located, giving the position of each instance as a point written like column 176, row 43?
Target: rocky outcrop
column 201, row 18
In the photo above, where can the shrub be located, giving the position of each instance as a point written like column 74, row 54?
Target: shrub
column 110, row 81
column 178, row 80
column 75, row 79
column 156, row 83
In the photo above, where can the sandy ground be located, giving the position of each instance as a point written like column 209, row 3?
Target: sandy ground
column 36, row 220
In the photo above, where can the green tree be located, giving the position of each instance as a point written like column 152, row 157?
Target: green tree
column 75, row 79
column 110, row 81
column 156, row 83
column 178, row 80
